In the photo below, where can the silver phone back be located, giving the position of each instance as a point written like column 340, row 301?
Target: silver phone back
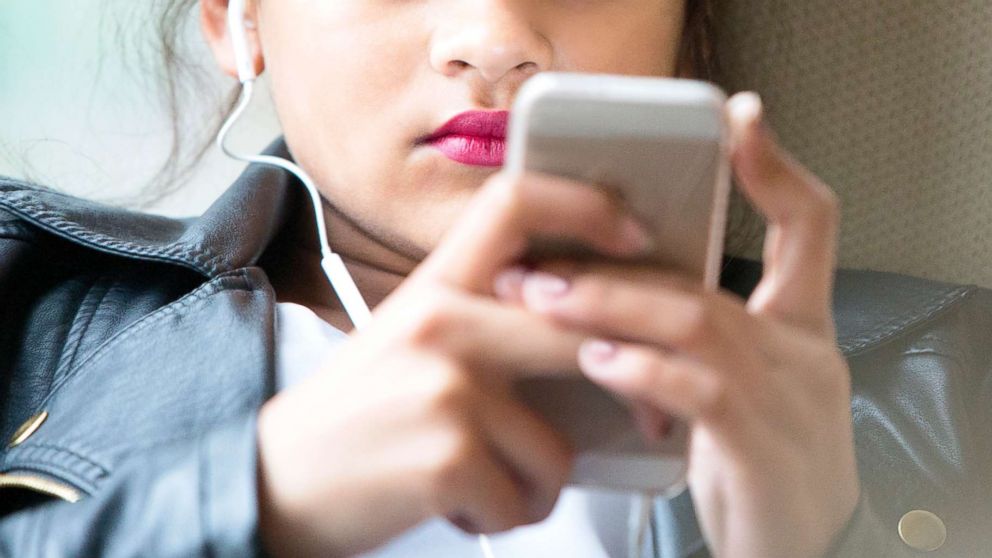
column 659, row 145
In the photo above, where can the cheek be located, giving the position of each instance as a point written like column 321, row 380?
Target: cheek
column 336, row 68
column 351, row 107
column 337, row 97
column 637, row 40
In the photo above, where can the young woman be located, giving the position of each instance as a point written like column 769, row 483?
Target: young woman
column 193, row 386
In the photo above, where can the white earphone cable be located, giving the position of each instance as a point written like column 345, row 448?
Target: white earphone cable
column 487, row 548
column 342, row 282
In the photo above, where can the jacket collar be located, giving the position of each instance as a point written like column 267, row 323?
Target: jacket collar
column 869, row 307
column 232, row 233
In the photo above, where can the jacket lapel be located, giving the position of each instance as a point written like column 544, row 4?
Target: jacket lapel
column 203, row 359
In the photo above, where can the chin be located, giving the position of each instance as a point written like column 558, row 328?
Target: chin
column 439, row 218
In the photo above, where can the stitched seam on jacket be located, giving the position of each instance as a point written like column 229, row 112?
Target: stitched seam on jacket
column 79, row 471
column 178, row 252
column 80, row 323
column 203, row 291
column 903, row 324
column 50, row 218
column 24, row 453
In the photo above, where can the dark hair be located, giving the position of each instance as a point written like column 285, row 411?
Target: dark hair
column 696, row 53
column 696, row 57
column 180, row 76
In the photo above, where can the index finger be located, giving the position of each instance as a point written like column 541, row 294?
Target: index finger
column 509, row 209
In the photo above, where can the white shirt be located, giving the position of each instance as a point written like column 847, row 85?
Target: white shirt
column 584, row 523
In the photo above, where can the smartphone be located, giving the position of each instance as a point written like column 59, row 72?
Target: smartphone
column 659, row 146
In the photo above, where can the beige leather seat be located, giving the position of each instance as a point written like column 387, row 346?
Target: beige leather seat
column 890, row 103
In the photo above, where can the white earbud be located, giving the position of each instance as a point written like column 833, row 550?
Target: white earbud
column 334, row 268
column 239, row 40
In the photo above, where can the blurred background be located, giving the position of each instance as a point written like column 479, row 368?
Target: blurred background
column 889, row 102
column 84, row 109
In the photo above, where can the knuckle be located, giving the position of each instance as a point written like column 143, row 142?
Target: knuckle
column 835, row 378
column 566, row 462
column 831, row 201
column 824, row 206
column 715, row 398
column 592, row 299
column 518, row 514
column 453, row 460
column 681, row 282
column 641, row 368
column 447, row 391
column 562, row 456
column 506, row 195
column 541, row 507
column 696, row 324
column 776, row 165
column 833, row 208
column 432, row 319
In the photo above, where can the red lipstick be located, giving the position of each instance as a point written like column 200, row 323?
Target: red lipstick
column 473, row 137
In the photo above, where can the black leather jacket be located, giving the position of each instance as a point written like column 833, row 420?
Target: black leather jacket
column 135, row 351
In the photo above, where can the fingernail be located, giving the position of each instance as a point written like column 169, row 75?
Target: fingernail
column 599, row 351
column 759, row 121
column 546, row 284
column 507, row 284
column 636, row 238
column 748, row 107
column 753, row 105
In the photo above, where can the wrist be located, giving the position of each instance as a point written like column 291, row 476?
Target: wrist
column 276, row 524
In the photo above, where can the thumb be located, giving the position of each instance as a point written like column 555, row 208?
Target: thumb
column 802, row 216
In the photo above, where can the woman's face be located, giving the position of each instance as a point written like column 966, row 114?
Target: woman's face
column 356, row 83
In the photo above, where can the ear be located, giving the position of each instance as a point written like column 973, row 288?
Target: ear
column 213, row 22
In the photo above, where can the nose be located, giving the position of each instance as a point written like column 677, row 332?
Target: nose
column 495, row 37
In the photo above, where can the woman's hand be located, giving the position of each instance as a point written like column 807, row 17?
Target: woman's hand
column 772, row 467
column 415, row 416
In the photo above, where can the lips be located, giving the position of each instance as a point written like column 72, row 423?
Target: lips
column 473, row 138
